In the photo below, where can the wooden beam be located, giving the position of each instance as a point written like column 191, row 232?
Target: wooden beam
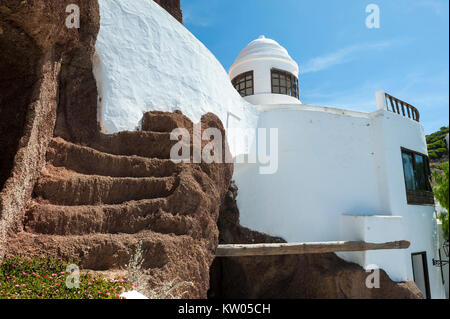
column 304, row 248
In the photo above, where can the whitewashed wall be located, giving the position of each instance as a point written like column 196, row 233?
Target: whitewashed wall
column 334, row 163
column 146, row 60
column 394, row 131
column 376, row 229
column 331, row 162
column 325, row 169
column 445, row 269
column 262, row 78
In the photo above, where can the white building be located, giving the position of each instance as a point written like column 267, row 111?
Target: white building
column 442, row 252
column 342, row 175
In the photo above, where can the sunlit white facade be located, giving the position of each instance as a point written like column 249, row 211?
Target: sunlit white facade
column 341, row 174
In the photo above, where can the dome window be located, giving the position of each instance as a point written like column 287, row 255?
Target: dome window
column 285, row 83
column 244, row 83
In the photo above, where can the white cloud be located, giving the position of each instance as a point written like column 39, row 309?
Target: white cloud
column 341, row 56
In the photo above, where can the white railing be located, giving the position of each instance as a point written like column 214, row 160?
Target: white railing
column 390, row 103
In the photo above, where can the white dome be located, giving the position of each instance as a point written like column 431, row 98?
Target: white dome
column 264, row 49
column 257, row 62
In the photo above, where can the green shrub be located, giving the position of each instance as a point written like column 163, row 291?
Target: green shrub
column 441, row 192
column 444, row 219
column 440, row 151
column 432, row 155
column 437, row 145
column 45, row 278
column 437, row 136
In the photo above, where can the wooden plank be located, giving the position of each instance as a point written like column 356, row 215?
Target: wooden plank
column 238, row 250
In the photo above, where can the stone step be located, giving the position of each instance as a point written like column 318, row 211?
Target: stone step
column 99, row 251
column 86, row 160
column 139, row 143
column 129, row 217
column 62, row 187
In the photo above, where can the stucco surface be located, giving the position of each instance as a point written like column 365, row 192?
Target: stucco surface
column 146, row 60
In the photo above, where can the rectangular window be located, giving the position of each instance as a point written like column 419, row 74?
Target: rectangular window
column 243, row 83
column 284, row 83
column 416, row 169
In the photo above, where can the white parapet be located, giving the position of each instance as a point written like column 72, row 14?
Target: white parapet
column 376, row 229
column 381, row 100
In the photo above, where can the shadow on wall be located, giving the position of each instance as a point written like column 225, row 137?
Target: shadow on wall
column 44, row 66
column 19, row 57
column 38, row 53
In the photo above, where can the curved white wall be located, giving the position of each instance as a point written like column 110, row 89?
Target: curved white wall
column 146, row 60
column 331, row 162
column 340, row 177
column 262, row 81
column 261, row 56
column 325, row 170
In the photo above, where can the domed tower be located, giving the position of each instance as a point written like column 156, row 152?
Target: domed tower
column 264, row 73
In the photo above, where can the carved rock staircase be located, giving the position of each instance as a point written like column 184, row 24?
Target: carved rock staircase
column 94, row 204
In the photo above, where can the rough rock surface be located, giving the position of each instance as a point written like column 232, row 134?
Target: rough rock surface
column 173, row 7
column 321, row 276
column 43, row 64
column 94, row 204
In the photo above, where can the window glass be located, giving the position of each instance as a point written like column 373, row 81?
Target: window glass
column 416, row 168
column 408, row 169
column 284, row 83
column 243, row 83
column 421, row 172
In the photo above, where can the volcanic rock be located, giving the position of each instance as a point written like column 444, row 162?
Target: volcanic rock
column 44, row 66
column 315, row 276
column 95, row 204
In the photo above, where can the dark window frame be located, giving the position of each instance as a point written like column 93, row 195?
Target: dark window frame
column 425, row 270
column 418, row 197
column 242, row 78
column 290, row 90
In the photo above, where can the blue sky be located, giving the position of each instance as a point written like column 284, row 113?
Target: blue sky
column 342, row 62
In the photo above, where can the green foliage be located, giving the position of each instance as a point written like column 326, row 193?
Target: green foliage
column 436, row 143
column 433, row 155
column 45, row 278
column 444, row 219
column 439, row 135
column 441, row 192
column 437, row 154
